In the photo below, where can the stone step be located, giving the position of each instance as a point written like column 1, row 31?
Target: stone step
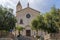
column 26, row 38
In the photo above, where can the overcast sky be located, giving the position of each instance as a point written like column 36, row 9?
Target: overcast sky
column 40, row 5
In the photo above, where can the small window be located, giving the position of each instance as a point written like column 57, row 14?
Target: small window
column 21, row 21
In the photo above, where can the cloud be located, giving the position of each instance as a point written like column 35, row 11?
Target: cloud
column 41, row 5
column 9, row 4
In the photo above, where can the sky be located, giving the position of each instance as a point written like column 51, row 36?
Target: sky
column 40, row 5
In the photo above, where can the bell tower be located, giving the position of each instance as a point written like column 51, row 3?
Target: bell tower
column 18, row 7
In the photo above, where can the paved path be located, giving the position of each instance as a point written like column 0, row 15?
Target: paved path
column 19, row 38
column 26, row 38
column 6, row 39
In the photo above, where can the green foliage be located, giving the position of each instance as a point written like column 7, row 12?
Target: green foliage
column 38, row 23
column 49, row 22
column 37, row 37
column 35, row 24
column 20, row 28
column 7, row 19
column 41, row 22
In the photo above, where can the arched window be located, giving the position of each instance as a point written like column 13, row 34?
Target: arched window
column 21, row 21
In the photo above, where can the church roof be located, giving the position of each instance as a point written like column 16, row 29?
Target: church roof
column 29, row 8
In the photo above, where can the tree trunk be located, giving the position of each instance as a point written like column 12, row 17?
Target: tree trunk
column 1, row 34
column 37, row 36
column 36, row 32
column 19, row 32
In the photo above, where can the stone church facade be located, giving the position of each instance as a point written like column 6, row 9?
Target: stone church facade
column 24, row 18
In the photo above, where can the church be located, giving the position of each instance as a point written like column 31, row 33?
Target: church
column 24, row 18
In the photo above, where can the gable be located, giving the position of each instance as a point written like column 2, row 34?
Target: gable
column 27, row 9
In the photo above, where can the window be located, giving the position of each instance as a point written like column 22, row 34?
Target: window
column 21, row 21
column 28, row 16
